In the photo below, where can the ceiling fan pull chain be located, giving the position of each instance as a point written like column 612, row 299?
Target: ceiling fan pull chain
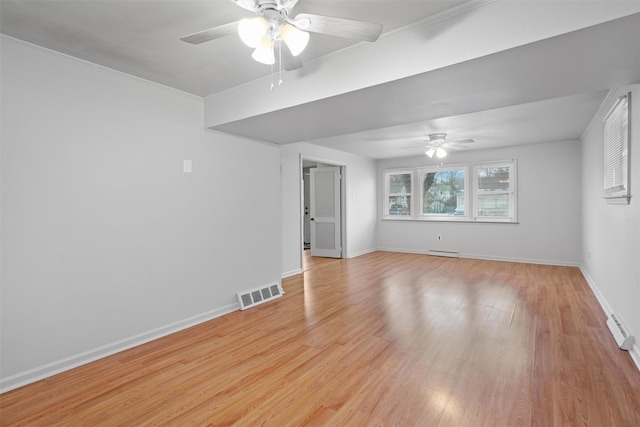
column 280, row 62
column 272, row 77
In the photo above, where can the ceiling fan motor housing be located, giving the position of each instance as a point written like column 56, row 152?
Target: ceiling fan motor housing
column 438, row 138
column 274, row 14
column 269, row 11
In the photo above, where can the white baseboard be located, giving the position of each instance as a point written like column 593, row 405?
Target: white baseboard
column 53, row 368
column 634, row 352
column 291, row 273
column 522, row 260
column 404, row 251
column 360, row 253
column 489, row 258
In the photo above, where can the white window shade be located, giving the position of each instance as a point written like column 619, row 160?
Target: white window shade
column 616, row 151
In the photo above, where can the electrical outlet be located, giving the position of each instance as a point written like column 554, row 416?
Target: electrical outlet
column 439, row 237
column 187, row 166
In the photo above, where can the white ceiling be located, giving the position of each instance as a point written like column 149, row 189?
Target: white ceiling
column 538, row 92
column 142, row 37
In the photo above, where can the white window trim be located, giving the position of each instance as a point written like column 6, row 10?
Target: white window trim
column 385, row 205
column 442, row 217
column 512, row 192
column 616, row 195
column 471, row 192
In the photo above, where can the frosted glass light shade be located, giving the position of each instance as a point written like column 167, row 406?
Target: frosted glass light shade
column 252, row 30
column 439, row 152
column 264, row 52
column 295, row 39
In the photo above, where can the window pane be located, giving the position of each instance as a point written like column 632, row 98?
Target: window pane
column 399, row 205
column 443, row 193
column 493, row 179
column 616, row 136
column 493, row 197
column 400, row 183
column 493, row 205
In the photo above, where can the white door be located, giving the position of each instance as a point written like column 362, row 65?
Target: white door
column 325, row 212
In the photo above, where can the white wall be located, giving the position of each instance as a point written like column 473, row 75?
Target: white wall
column 105, row 241
column 360, row 201
column 548, row 229
column 611, row 233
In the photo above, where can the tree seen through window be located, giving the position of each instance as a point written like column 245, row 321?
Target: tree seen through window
column 443, row 193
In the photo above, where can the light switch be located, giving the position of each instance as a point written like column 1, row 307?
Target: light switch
column 187, row 166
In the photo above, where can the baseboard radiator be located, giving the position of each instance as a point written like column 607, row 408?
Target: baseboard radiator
column 254, row 297
column 448, row 254
column 619, row 332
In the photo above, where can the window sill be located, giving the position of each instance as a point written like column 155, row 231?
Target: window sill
column 618, row 200
column 451, row 220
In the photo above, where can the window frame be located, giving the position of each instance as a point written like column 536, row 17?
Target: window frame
column 421, row 172
column 386, row 208
column 511, row 192
column 618, row 192
column 471, row 193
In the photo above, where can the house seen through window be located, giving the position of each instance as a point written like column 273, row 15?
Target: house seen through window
column 443, row 192
column 399, row 193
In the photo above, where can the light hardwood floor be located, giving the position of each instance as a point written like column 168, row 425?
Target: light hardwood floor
column 382, row 339
column 309, row 262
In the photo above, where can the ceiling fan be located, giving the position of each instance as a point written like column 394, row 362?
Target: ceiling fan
column 273, row 24
column 437, row 144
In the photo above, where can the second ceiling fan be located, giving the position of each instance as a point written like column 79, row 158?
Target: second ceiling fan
column 273, row 24
column 437, row 145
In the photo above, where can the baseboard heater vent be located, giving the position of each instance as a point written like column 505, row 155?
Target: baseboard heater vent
column 258, row 296
column 447, row 254
column 619, row 332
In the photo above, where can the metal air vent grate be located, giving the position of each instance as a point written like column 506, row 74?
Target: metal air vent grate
column 254, row 297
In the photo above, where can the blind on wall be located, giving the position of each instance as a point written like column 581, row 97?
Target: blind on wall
column 616, row 136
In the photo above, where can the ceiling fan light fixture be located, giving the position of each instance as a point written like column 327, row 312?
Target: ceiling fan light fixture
column 264, row 52
column 295, row 39
column 252, row 30
column 440, row 152
column 430, row 151
column 438, row 138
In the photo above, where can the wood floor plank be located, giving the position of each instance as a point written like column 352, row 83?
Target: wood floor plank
column 382, row 339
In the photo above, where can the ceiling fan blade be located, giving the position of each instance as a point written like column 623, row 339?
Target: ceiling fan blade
column 289, row 62
column 211, row 33
column 461, row 141
column 288, row 5
column 347, row 28
column 251, row 5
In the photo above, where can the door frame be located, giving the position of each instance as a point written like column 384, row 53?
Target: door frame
column 343, row 200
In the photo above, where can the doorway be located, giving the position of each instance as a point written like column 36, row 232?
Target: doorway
column 313, row 242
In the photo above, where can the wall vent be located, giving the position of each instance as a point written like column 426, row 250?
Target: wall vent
column 254, row 297
column 619, row 332
column 448, row 254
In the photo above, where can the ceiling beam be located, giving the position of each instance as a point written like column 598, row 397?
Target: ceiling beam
column 463, row 34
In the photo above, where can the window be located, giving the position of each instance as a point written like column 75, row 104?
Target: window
column 494, row 189
column 616, row 152
column 442, row 192
column 398, row 191
column 480, row 192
